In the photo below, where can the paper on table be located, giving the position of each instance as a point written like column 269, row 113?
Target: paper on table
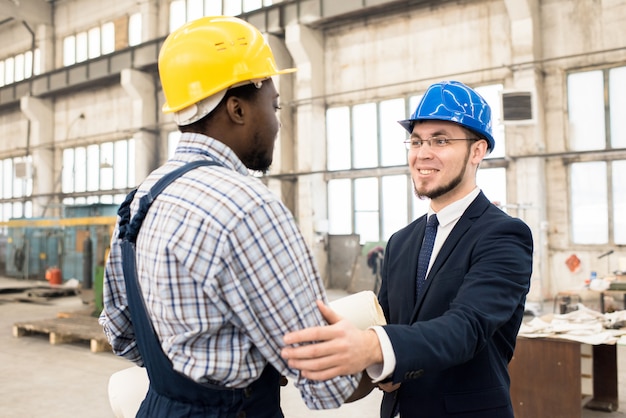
column 362, row 309
column 583, row 325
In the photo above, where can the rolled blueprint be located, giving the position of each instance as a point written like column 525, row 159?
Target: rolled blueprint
column 362, row 309
column 127, row 389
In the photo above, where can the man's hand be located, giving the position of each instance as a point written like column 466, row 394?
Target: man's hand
column 335, row 350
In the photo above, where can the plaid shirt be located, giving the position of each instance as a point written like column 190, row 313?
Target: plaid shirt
column 225, row 273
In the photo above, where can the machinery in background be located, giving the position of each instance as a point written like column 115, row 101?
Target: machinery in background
column 72, row 247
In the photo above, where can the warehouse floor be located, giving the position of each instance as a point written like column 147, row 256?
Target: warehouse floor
column 40, row 379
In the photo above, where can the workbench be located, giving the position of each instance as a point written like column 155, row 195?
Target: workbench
column 546, row 378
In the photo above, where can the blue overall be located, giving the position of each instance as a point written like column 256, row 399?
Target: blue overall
column 172, row 394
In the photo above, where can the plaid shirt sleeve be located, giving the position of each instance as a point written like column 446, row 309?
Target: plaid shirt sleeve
column 115, row 317
column 272, row 291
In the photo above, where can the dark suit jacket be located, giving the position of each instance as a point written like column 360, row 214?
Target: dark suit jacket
column 453, row 345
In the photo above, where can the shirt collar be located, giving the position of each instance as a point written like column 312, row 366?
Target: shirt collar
column 453, row 211
column 194, row 143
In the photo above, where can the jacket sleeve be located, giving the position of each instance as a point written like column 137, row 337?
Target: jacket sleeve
column 475, row 298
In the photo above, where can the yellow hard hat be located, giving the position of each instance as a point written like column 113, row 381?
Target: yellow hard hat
column 211, row 54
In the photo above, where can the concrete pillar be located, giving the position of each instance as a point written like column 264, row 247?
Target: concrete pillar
column 525, row 27
column 41, row 146
column 284, row 148
column 141, row 88
column 306, row 46
column 44, row 40
column 525, row 185
column 149, row 19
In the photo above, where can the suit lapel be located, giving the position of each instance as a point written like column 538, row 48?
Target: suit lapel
column 466, row 220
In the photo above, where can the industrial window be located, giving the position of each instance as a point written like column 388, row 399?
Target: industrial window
column 232, row 7
column 598, row 204
column 182, row 11
column 135, row 29
column 394, row 204
column 595, row 97
column 586, row 111
column 98, row 168
column 172, row 141
column 19, row 67
column 596, row 106
column 617, row 104
column 94, row 42
column 69, row 50
column 15, row 210
column 390, row 132
column 17, row 177
column 16, row 188
column 492, row 94
column 84, row 49
column 363, row 142
column 619, row 202
column 366, row 209
column 340, row 206
column 9, row 70
column 492, row 182
column 365, row 135
column 89, row 44
column 589, row 199
column 108, row 38
column 338, row 138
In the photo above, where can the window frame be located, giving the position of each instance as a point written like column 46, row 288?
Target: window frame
column 108, row 183
column 606, row 153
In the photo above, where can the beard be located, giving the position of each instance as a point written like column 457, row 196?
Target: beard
column 445, row 188
column 258, row 158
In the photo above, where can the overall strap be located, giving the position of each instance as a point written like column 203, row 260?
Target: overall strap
column 129, row 228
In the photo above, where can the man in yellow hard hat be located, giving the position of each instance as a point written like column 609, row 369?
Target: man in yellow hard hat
column 219, row 263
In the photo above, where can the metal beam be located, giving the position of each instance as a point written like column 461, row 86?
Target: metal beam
column 56, row 223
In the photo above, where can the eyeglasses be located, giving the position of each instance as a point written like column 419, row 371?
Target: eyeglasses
column 433, row 142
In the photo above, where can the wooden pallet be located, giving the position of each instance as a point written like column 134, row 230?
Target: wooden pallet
column 52, row 292
column 37, row 294
column 67, row 329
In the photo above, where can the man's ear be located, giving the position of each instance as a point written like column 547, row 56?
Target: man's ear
column 235, row 110
column 479, row 150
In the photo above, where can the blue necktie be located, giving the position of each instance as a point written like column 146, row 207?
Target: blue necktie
column 426, row 251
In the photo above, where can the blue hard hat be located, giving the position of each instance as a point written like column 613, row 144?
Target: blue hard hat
column 454, row 102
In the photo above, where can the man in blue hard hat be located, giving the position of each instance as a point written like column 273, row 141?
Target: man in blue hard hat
column 454, row 282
